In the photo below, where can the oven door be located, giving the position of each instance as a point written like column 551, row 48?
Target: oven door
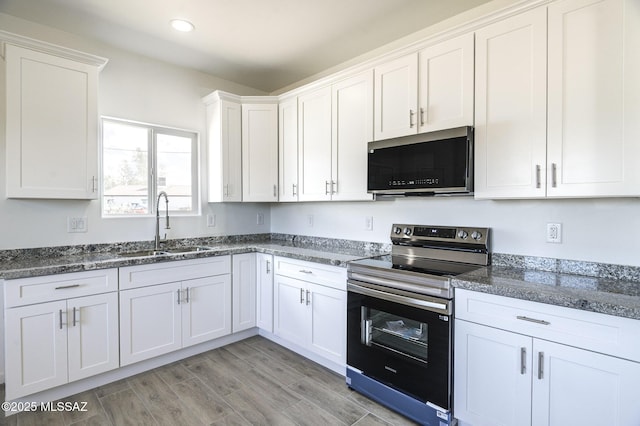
column 402, row 340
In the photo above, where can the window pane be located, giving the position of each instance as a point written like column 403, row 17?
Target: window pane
column 125, row 169
column 175, row 174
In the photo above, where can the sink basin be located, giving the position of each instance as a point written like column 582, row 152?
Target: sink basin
column 191, row 249
column 143, row 253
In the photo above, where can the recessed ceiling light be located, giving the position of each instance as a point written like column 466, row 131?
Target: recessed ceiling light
column 182, row 25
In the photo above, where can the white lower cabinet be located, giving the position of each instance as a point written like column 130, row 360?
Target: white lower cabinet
column 511, row 378
column 53, row 343
column 244, row 292
column 309, row 314
column 160, row 318
column 264, row 287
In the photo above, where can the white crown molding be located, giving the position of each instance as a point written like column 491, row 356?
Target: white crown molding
column 222, row 95
column 52, row 49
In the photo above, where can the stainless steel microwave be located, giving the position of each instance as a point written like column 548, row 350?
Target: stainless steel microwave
column 435, row 163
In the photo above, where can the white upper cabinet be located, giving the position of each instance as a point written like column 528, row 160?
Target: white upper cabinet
column 425, row 91
column 557, row 110
column 352, row 129
column 288, row 149
column 510, row 107
column 51, row 124
column 259, row 152
column 224, row 126
column 446, row 85
column 594, row 97
column 396, row 98
column 314, row 145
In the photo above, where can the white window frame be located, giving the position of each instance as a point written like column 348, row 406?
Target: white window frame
column 152, row 131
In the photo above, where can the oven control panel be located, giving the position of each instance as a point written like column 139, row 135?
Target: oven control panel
column 458, row 234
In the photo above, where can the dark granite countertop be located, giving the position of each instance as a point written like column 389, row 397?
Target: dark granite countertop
column 618, row 297
column 56, row 260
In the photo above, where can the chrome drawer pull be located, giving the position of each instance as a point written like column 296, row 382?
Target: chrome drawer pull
column 67, row 286
column 537, row 321
column 305, row 271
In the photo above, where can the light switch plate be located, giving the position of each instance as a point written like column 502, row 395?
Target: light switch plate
column 77, row 224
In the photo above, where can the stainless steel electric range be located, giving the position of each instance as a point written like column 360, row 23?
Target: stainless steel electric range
column 400, row 318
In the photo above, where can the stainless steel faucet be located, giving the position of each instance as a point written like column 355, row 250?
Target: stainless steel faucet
column 158, row 240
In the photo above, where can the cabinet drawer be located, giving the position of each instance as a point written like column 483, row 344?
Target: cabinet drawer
column 167, row 272
column 26, row 291
column 607, row 334
column 331, row 276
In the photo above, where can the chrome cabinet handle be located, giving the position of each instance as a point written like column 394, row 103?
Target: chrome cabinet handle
column 534, row 320
column 179, row 296
column 538, row 180
column 74, row 315
column 421, row 116
column 326, row 187
column 275, row 193
column 540, row 365
column 301, row 295
column 60, row 319
column 94, row 184
column 411, row 114
column 294, row 190
column 523, row 360
column 334, row 187
column 308, row 297
column 554, row 175
column 62, row 287
column 188, row 294
column 268, row 267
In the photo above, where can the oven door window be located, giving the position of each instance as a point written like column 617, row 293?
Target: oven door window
column 395, row 333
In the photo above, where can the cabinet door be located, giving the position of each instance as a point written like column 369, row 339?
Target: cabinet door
column 225, row 151
column 446, row 85
column 510, row 107
column 328, row 330
column 259, row 152
column 591, row 151
column 206, row 309
column 150, row 322
column 288, row 149
column 584, row 388
column 314, row 145
column 52, row 130
column 396, row 98
column 492, row 376
column 36, row 348
column 244, row 291
column 93, row 335
column 352, row 130
column 264, row 286
column 290, row 314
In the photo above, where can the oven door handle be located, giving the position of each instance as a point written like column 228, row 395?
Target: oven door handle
column 432, row 305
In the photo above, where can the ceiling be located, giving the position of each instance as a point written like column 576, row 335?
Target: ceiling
column 264, row 44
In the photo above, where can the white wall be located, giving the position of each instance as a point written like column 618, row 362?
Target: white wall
column 602, row 230
column 134, row 88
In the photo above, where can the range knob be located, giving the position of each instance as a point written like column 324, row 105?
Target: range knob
column 407, row 231
column 397, row 230
column 462, row 234
column 476, row 235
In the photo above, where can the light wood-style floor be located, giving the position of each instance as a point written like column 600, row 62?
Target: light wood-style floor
column 252, row 382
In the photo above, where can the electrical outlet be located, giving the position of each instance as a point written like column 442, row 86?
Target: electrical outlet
column 260, row 219
column 554, row 232
column 310, row 220
column 211, row 220
column 77, row 224
column 368, row 223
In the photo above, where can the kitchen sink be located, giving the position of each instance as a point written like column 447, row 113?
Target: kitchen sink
column 190, row 249
column 143, row 253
